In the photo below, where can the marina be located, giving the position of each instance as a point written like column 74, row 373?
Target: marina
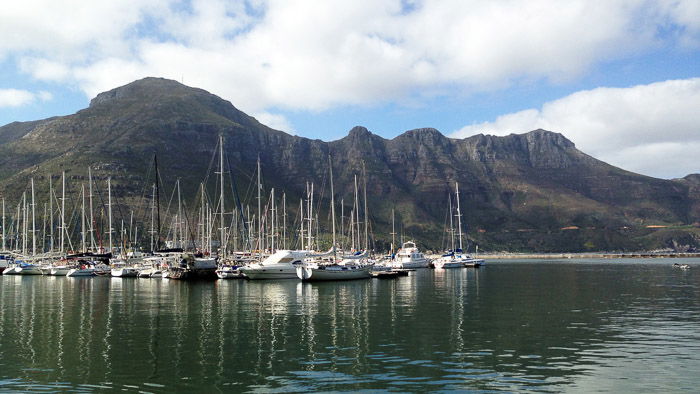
column 365, row 197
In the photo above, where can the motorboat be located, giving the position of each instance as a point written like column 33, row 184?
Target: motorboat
column 191, row 267
column 410, row 257
column 279, row 265
column 230, row 272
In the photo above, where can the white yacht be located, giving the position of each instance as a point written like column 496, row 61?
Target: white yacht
column 59, row 270
column 121, row 270
column 448, row 260
column 26, row 269
column 348, row 268
column 280, row 265
column 153, row 267
column 82, row 270
column 410, row 257
column 468, row 260
column 230, row 272
column 337, row 271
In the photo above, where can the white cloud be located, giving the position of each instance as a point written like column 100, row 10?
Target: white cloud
column 15, row 97
column 19, row 97
column 651, row 129
column 310, row 55
column 277, row 122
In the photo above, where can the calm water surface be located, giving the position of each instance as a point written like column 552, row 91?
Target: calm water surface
column 574, row 326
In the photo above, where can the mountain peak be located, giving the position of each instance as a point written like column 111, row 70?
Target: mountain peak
column 149, row 87
column 359, row 131
column 541, row 136
column 425, row 131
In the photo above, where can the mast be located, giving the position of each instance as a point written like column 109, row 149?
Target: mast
column 284, row 220
column 92, row 219
column 352, row 229
column 342, row 218
column 272, row 220
column 202, row 220
column 43, row 230
column 310, row 202
column 221, row 167
column 178, row 222
column 364, row 177
column 109, row 210
column 17, row 229
column 51, row 213
column 132, row 235
column 4, row 244
column 301, row 231
column 24, row 224
column 330, row 168
column 393, row 232
column 259, row 209
column 357, row 215
column 82, row 217
column 33, row 222
column 123, row 242
column 452, row 228
column 63, row 210
column 459, row 216
column 153, row 214
column 155, row 163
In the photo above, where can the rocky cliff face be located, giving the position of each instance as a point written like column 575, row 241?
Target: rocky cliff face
column 518, row 192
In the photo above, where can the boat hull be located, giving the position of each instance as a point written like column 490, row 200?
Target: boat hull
column 151, row 273
column 230, row 274
column 448, row 264
column 80, row 272
column 28, row 271
column 125, row 273
column 190, row 274
column 332, row 273
column 472, row 263
column 425, row 263
column 59, row 271
column 270, row 272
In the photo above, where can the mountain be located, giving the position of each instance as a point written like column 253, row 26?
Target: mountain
column 522, row 192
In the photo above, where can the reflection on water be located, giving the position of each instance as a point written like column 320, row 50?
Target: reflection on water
column 552, row 326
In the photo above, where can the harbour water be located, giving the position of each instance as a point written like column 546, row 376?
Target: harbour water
column 575, row 326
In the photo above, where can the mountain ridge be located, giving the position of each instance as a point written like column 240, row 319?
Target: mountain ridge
column 519, row 190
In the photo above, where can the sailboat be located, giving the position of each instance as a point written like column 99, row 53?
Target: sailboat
column 281, row 264
column 348, row 268
column 192, row 267
column 449, row 259
column 121, row 270
column 459, row 254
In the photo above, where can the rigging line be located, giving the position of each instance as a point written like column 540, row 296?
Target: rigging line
column 234, row 190
column 210, row 168
column 142, row 202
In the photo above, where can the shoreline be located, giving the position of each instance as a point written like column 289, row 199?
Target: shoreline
column 509, row 256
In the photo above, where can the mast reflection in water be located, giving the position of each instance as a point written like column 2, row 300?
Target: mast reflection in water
column 574, row 325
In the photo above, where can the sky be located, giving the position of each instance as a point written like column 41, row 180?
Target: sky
column 619, row 78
